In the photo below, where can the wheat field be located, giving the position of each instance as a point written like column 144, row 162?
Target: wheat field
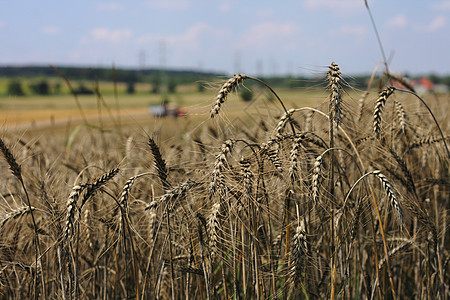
column 345, row 200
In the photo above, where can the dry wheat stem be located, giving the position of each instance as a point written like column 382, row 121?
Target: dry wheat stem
column 432, row 115
column 16, row 171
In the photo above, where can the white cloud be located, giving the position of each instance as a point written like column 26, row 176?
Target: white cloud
column 225, row 7
column 437, row 23
column 190, row 39
column 169, row 4
column 398, row 21
column 114, row 36
column 443, row 5
column 51, row 30
column 265, row 13
column 268, row 34
column 110, row 7
column 352, row 30
column 342, row 6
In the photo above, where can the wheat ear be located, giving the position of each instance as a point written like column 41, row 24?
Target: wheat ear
column 334, row 84
column 9, row 157
column 379, row 105
column 99, row 182
column 225, row 91
column 391, row 194
column 71, row 209
column 315, row 179
column 299, row 252
column 247, row 175
column 282, row 122
column 213, row 229
column 295, row 152
column 217, row 178
column 401, row 114
column 160, row 164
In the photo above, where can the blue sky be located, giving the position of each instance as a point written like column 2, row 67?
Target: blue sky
column 254, row 37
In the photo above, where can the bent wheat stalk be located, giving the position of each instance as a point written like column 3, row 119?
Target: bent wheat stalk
column 17, row 172
column 432, row 115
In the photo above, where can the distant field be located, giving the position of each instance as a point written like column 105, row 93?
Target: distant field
column 63, row 108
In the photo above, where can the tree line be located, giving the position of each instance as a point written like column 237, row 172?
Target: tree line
column 159, row 80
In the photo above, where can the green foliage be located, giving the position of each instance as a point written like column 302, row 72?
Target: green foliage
column 57, row 88
column 200, row 87
column 15, row 88
column 246, row 95
column 40, row 88
column 171, row 85
column 156, row 84
column 83, row 90
column 130, row 87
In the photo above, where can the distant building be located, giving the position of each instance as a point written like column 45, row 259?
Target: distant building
column 423, row 86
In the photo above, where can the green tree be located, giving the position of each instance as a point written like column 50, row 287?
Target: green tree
column 171, row 85
column 83, row 90
column 15, row 88
column 40, row 88
column 156, row 84
column 246, row 95
column 130, row 87
column 434, row 78
column 57, row 88
column 200, row 87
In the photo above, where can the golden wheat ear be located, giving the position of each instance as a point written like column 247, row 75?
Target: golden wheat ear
column 9, row 157
column 225, row 90
column 378, row 111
